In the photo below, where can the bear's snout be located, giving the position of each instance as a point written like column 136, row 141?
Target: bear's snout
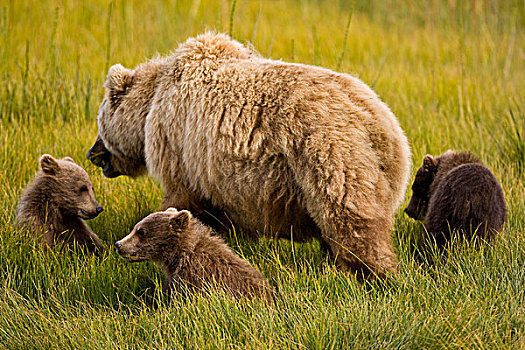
column 411, row 212
column 118, row 245
column 98, row 154
column 88, row 215
column 128, row 251
column 415, row 209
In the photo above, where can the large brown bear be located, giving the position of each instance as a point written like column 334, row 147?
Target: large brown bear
column 192, row 256
column 57, row 201
column 282, row 148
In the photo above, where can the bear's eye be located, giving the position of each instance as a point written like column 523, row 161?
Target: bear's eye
column 140, row 232
column 83, row 188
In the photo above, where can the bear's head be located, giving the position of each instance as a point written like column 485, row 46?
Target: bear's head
column 155, row 237
column 119, row 148
column 417, row 207
column 69, row 187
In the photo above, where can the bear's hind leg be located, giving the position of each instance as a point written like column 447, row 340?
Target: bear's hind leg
column 363, row 246
column 345, row 189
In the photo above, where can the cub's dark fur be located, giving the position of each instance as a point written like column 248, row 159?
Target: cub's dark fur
column 456, row 193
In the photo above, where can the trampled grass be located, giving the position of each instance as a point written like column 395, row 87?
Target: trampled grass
column 453, row 73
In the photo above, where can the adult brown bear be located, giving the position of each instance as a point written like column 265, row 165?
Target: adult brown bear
column 277, row 146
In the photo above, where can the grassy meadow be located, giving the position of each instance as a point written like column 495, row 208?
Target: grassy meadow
column 452, row 71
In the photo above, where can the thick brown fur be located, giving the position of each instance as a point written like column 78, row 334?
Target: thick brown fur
column 282, row 148
column 192, row 256
column 456, row 194
column 56, row 202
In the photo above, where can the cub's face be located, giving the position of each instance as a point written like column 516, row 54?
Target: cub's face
column 119, row 147
column 417, row 207
column 155, row 236
column 71, row 187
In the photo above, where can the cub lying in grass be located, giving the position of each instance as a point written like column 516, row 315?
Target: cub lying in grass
column 191, row 256
column 57, row 200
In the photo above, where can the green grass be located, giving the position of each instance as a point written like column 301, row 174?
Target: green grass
column 453, row 73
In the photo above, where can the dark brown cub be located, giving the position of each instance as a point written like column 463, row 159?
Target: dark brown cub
column 456, row 194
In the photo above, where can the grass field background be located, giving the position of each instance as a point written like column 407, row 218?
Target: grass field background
column 452, row 71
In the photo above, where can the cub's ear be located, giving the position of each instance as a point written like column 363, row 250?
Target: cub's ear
column 69, row 159
column 49, row 165
column 171, row 210
column 118, row 82
column 180, row 220
column 429, row 162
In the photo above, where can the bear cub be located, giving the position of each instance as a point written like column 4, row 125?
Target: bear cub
column 456, row 194
column 192, row 256
column 58, row 200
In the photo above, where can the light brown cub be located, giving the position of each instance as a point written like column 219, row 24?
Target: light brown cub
column 192, row 256
column 57, row 200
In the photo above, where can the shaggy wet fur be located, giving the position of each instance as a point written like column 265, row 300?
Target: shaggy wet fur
column 456, row 193
column 57, row 201
column 192, row 256
column 281, row 148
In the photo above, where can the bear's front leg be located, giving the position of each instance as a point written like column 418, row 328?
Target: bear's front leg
column 199, row 207
column 180, row 197
column 88, row 239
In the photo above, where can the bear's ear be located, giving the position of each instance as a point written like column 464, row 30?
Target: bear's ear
column 118, row 82
column 171, row 210
column 49, row 165
column 69, row 159
column 180, row 220
column 429, row 162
